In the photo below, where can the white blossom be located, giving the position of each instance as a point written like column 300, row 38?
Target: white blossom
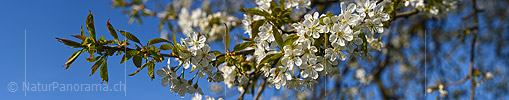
column 291, row 56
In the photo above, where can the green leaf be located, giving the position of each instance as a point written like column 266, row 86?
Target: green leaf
column 137, row 60
column 227, row 38
column 112, row 31
column 69, row 42
column 255, row 26
column 90, row 25
column 174, row 39
column 277, row 36
column 72, row 58
column 151, row 71
column 166, row 47
column 157, row 40
column 96, row 65
column 82, row 32
column 128, row 55
column 243, row 46
column 79, row 37
column 104, row 71
column 129, row 36
column 269, row 58
column 155, row 54
column 255, row 11
column 139, row 69
column 217, row 53
column 290, row 39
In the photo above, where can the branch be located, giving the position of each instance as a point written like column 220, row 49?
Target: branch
column 241, row 96
column 406, row 14
column 260, row 89
column 127, row 49
column 472, row 53
column 244, row 52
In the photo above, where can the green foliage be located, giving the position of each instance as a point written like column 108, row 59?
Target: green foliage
column 129, row 36
column 104, row 71
column 72, row 58
column 96, row 65
column 90, row 25
column 112, row 31
column 277, row 36
column 256, row 11
column 157, row 40
column 269, row 59
column 243, row 46
column 166, row 47
column 227, row 38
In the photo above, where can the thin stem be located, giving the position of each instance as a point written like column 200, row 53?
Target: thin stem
column 260, row 89
column 472, row 53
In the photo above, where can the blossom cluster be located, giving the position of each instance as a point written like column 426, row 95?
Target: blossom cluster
column 321, row 42
column 195, row 55
column 212, row 25
column 355, row 25
column 433, row 8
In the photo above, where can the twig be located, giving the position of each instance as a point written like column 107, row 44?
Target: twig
column 241, row 96
column 472, row 53
column 406, row 14
column 260, row 89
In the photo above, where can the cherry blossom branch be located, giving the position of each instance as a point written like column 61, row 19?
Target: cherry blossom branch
column 244, row 52
column 127, row 49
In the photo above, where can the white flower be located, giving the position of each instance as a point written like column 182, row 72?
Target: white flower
column 196, row 41
column 360, row 73
column 342, row 35
column 298, row 4
column 168, row 75
column 266, row 32
column 197, row 97
column 295, row 84
column 263, row 4
column 179, row 86
column 246, row 23
column 333, row 53
column 311, row 23
column 311, row 67
column 323, row 28
column 347, row 16
column 228, row 74
column 291, row 56
column 212, row 98
column 443, row 92
column 279, row 76
column 489, row 75
column 184, row 59
column 375, row 16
